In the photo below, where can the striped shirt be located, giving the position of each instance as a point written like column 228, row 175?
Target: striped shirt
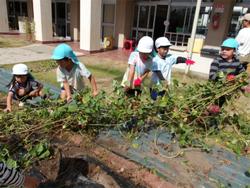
column 221, row 65
column 10, row 176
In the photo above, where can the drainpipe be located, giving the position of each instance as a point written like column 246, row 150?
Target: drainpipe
column 196, row 17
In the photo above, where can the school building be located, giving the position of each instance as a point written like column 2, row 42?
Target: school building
column 92, row 22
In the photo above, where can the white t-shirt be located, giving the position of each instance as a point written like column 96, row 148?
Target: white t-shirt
column 141, row 66
column 74, row 77
column 243, row 38
column 163, row 65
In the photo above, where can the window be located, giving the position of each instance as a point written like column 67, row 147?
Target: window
column 108, row 20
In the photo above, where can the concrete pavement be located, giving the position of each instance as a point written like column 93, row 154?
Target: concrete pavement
column 200, row 68
column 33, row 52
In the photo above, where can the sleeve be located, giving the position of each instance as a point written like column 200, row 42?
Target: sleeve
column 10, row 176
column 132, row 58
column 12, row 89
column 239, row 38
column 172, row 59
column 181, row 60
column 213, row 70
column 35, row 84
column 155, row 66
column 240, row 69
column 60, row 75
column 84, row 71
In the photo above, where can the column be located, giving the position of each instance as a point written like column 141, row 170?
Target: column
column 224, row 10
column 30, row 9
column 90, row 25
column 4, row 25
column 124, row 20
column 75, row 20
column 43, row 20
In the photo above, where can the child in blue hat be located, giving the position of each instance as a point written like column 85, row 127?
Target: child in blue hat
column 71, row 72
column 227, row 64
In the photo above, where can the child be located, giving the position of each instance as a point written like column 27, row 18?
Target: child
column 22, row 86
column 10, row 177
column 140, row 63
column 162, row 64
column 70, row 72
column 227, row 63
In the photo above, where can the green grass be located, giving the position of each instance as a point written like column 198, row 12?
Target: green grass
column 104, row 71
column 12, row 42
column 45, row 71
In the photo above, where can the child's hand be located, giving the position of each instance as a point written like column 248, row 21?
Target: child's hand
column 34, row 93
column 137, row 82
column 190, row 62
column 127, row 88
column 69, row 99
column 95, row 93
column 7, row 110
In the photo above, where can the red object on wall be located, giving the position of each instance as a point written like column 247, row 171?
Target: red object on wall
column 216, row 21
column 129, row 45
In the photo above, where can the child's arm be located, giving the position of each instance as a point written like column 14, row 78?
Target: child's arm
column 67, row 90
column 240, row 69
column 181, row 60
column 130, row 76
column 36, row 91
column 184, row 60
column 93, row 85
column 144, row 75
column 214, row 68
column 10, row 177
column 9, row 102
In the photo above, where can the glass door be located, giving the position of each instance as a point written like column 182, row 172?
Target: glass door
column 161, row 21
column 61, row 18
column 108, row 19
column 144, row 21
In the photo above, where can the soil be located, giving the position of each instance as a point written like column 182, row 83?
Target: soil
column 76, row 153
column 78, row 161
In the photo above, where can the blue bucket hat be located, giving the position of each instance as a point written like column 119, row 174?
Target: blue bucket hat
column 62, row 51
column 230, row 43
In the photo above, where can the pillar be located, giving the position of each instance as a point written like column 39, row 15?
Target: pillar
column 75, row 20
column 30, row 9
column 90, row 25
column 43, row 20
column 124, row 21
column 215, row 36
column 4, row 24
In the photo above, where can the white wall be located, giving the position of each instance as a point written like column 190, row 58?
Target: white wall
column 43, row 20
column 90, row 24
column 4, row 25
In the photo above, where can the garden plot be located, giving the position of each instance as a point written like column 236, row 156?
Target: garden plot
column 170, row 136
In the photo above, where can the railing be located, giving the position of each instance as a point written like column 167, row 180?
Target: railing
column 178, row 39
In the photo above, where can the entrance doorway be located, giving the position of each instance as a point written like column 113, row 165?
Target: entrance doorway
column 61, row 18
column 149, row 20
column 161, row 21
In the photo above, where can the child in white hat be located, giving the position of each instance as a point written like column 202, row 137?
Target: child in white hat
column 163, row 63
column 22, row 86
column 139, row 65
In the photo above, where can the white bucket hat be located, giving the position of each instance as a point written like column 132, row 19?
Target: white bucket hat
column 145, row 44
column 162, row 41
column 20, row 69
